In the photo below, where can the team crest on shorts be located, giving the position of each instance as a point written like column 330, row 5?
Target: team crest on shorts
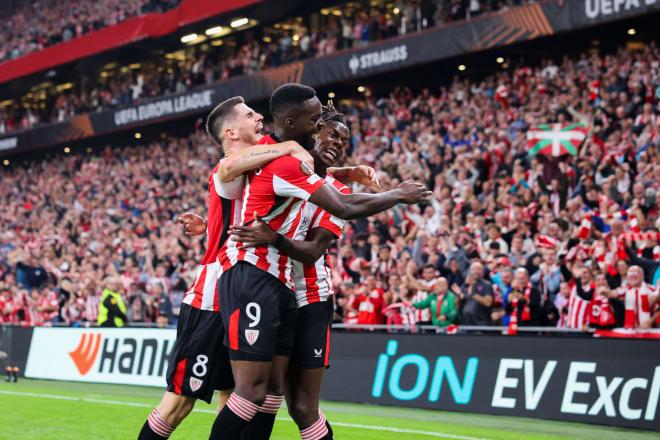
column 251, row 336
column 195, row 384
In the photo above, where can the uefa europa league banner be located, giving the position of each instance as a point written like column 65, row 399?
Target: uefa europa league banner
column 505, row 27
column 605, row 381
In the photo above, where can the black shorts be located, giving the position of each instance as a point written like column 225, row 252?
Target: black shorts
column 259, row 313
column 313, row 328
column 199, row 363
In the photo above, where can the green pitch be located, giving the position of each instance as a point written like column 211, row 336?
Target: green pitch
column 35, row 409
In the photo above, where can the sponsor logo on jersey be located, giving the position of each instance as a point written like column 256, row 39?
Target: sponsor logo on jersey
column 318, row 353
column 195, row 384
column 251, row 336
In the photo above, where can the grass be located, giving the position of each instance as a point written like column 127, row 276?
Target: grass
column 44, row 410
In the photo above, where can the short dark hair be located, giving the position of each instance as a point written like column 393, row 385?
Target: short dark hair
column 287, row 96
column 219, row 115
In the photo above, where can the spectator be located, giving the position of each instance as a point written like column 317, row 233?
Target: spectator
column 369, row 303
column 639, row 299
column 477, row 295
column 525, row 300
column 422, row 287
column 442, row 305
column 112, row 310
column 165, row 313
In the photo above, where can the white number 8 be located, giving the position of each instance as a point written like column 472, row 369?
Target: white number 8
column 202, row 359
column 255, row 316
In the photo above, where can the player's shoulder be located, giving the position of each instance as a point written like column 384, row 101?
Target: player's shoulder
column 228, row 190
column 267, row 140
column 288, row 165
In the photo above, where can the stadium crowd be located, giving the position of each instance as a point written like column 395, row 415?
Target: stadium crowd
column 35, row 25
column 509, row 238
column 122, row 87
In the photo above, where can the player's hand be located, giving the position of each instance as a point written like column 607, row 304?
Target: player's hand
column 364, row 175
column 413, row 192
column 258, row 234
column 301, row 154
column 193, row 224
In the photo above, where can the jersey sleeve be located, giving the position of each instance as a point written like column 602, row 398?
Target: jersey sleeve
column 328, row 221
column 292, row 178
column 228, row 190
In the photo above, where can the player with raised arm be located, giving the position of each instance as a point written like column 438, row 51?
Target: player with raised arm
column 198, row 363
column 312, row 276
column 255, row 289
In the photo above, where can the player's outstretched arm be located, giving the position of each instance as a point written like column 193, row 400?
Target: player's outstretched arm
column 358, row 205
column 362, row 174
column 260, row 234
column 259, row 155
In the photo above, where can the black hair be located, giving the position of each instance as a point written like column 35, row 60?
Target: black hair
column 219, row 115
column 287, row 96
column 330, row 114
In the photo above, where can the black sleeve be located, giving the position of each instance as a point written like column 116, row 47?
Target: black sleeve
column 565, row 273
column 113, row 309
column 649, row 266
column 535, row 299
column 508, row 307
column 355, row 276
column 581, row 292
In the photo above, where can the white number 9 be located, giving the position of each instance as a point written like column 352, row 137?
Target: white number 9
column 255, row 316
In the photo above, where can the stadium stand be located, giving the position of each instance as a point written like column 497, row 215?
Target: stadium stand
column 33, row 26
column 521, row 240
column 244, row 54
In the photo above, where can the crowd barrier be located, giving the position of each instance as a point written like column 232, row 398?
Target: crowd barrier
column 562, row 377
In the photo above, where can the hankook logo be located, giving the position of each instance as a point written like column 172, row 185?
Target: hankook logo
column 85, row 353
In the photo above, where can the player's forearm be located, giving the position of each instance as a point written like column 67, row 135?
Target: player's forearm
column 251, row 158
column 364, row 205
column 307, row 252
column 358, row 205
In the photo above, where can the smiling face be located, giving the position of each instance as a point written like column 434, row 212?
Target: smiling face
column 245, row 126
column 331, row 146
column 304, row 126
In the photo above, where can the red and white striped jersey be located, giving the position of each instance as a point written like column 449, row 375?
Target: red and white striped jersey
column 91, row 312
column 313, row 283
column 277, row 193
column 637, row 302
column 223, row 205
column 400, row 313
column 422, row 315
column 579, row 311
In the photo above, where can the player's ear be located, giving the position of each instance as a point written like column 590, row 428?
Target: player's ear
column 290, row 123
column 230, row 134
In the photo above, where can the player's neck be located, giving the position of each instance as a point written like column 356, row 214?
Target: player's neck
column 320, row 170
